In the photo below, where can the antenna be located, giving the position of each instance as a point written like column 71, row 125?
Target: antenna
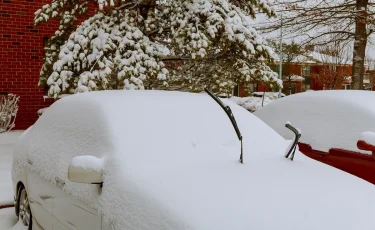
column 228, row 111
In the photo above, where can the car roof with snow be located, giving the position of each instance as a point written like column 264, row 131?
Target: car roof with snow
column 328, row 119
column 171, row 161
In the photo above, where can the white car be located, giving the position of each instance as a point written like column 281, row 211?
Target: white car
column 170, row 160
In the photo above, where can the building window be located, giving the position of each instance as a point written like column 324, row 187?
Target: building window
column 345, row 86
column 235, row 91
column 253, row 87
column 305, row 71
column 332, row 68
column 307, row 83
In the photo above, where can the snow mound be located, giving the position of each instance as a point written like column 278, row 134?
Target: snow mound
column 329, row 119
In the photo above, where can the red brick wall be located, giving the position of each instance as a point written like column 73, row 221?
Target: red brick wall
column 295, row 69
column 21, row 56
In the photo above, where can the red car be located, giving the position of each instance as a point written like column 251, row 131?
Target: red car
column 337, row 127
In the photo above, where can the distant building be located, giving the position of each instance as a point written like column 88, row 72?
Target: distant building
column 313, row 71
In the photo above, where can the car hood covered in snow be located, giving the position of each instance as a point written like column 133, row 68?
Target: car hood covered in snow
column 171, row 161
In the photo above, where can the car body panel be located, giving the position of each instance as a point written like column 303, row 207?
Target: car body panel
column 355, row 163
column 72, row 214
column 41, row 196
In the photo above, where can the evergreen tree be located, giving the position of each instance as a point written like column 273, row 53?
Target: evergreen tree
column 125, row 43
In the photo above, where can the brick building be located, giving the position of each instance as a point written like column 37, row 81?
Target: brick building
column 21, row 56
column 314, row 71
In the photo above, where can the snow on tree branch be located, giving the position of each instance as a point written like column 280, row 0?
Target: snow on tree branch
column 122, row 46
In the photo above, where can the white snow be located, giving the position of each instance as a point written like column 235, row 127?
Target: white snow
column 89, row 163
column 172, row 162
column 294, row 77
column 9, row 220
column 365, row 81
column 329, row 119
column 317, row 57
column 368, row 137
column 7, row 141
column 255, row 102
column 251, row 103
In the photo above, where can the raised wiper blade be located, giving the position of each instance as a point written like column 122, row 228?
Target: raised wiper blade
column 228, row 111
column 297, row 135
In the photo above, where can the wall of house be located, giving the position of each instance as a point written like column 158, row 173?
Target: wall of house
column 21, row 56
column 296, row 69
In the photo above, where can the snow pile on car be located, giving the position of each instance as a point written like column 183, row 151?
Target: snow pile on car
column 172, row 162
column 328, row 119
column 88, row 162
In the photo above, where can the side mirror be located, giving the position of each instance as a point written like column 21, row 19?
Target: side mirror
column 86, row 169
column 367, row 142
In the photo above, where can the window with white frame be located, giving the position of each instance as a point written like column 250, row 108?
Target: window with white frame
column 345, row 86
column 306, row 71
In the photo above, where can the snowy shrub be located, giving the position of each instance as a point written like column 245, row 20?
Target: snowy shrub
column 125, row 43
column 8, row 111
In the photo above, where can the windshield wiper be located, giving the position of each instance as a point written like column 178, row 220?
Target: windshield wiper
column 297, row 135
column 228, row 111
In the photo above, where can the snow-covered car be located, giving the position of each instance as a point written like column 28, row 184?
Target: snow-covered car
column 338, row 127
column 170, row 160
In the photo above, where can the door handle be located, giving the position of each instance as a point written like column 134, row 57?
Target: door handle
column 59, row 182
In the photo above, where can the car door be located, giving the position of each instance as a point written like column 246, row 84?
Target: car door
column 71, row 213
column 40, row 193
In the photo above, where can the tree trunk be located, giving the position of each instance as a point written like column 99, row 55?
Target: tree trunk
column 147, row 6
column 360, row 42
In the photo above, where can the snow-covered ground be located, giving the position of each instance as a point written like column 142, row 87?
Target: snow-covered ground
column 7, row 141
column 251, row 103
column 8, row 219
